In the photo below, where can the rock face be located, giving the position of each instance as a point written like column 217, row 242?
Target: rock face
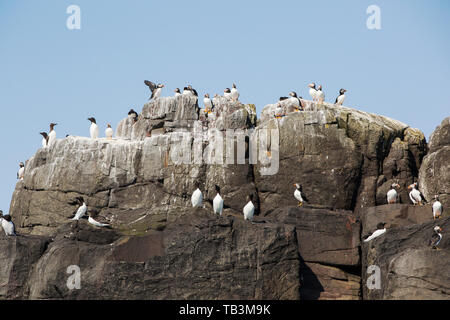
column 434, row 176
column 158, row 247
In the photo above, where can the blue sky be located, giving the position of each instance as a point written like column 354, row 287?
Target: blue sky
column 49, row 73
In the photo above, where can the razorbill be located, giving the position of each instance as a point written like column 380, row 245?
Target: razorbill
column 249, row 208
column 94, row 128
column 81, row 210
column 380, row 230
column 197, row 196
column 7, row 224
column 234, row 93
column 437, row 208
column 392, row 195
column 415, row 194
column 21, row 172
column 436, row 238
column 298, row 194
column 155, row 89
column 52, row 134
column 218, row 202
column 320, row 94
column 109, row 132
column 44, row 139
column 208, row 103
column 313, row 91
column 341, row 97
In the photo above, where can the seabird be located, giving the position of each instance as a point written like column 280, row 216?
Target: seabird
column 133, row 115
column 293, row 100
column 51, row 134
column 234, row 93
column 279, row 111
column 392, row 195
column 208, row 103
column 218, row 202
column 187, row 91
column 177, row 92
column 436, row 238
column 341, row 97
column 44, row 139
column 109, row 132
column 437, row 208
column 193, row 91
column 7, row 224
column 320, row 94
column 249, row 209
column 415, row 194
column 96, row 223
column 313, row 91
column 227, row 93
column 380, row 230
column 155, row 89
column 94, row 128
column 81, row 210
column 20, row 173
column 197, row 196
column 298, row 194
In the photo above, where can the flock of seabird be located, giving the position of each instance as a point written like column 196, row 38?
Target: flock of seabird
column 317, row 95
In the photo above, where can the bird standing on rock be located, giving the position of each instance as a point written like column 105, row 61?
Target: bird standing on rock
column 155, row 89
column 133, row 115
column 436, row 238
column 415, row 195
column 197, row 196
column 320, row 94
column 81, row 210
column 298, row 194
column 52, row 134
column 392, row 195
column 227, row 93
column 94, row 128
column 208, row 103
column 218, row 202
column 177, row 92
column 7, row 224
column 234, row 93
column 21, row 172
column 109, row 132
column 340, row 99
column 44, row 139
column 313, row 91
column 249, row 209
column 437, row 208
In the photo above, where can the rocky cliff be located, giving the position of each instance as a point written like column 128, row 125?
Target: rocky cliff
column 159, row 247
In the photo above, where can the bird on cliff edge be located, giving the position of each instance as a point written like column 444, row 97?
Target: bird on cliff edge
column 298, row 194
column 436, row 238
column 313, row 91
column 320, row 94
column 437, row 208
column 44, row 139
column 81, row 210
column 415, row 195
column 109, row 132
column 94, row 222
column 21, row 172
column 234, row 93
column 51, row 134
column 380, row 230
column 293, row 100
column 177, row 92
column 227, row 93
column 190, row 91
column 7, row 224
column 392, row 195
column 341, row 97
column 249, row 209
column 218, row 202
column 209, row 106
column 133, row 115
column 93, row 129
column 197, row 196
column 155, row 89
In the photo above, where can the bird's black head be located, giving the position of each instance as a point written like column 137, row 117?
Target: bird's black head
column 250, row 197
column 293, row 94
column 7, row 217
column 196, row 185
column 217, row 188
column 342, row 91
column 234, row 86
column 131, row 112
column 177, row 90
column 381, row 225
column 44, row 134
column 52, row 125
column 312, row 85
column 92, row 120
column 206, row 95
column 21, row 164
column 319, row 87
column 227, row 90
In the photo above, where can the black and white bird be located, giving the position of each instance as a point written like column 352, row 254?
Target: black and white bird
column 81, row 210
column 21, row 172
column 415, row 195
column 392, row 195
column 227, row 93
column 209, row 106
column 177, row 92
column 234, row 93
column 437, row 208
column 380, row 231
column 293, row 100
column 51, row 134
column 436, row 238
column 109, row 132
column 320, row 94
column 298, row 194
column 44, row 139
column 133, row 115
column 197, row 196
column 249, row 209
column 155, row 89
column 7, row 224
column 313, row 91
column 218, row 202
column 93, row 130
column 92, row 221
column 341, row 97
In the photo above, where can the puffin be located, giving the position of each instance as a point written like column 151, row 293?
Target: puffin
column 341, row 97
column 234, row 93
column 313, row 91
column 218, row 202
column 437, row 208
column 293, row 100
column 177, row 92
column 133, row 115
column 298, row 194
column 380, row 230
column 94, row 128
column 197, row 196
column 7, row 224
column 227, row 93
column 208, row 103
column 249, row 209
column 81, row 210
column 51, row 134
column 279, row 112
column 320, row 94
column 392, row 195
column 109, row 132
column 436, row 238
column 187, row 91
column 155, row 89
column 21, row 172
column 415, row 194
column 194, row 92
column 44, row 139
